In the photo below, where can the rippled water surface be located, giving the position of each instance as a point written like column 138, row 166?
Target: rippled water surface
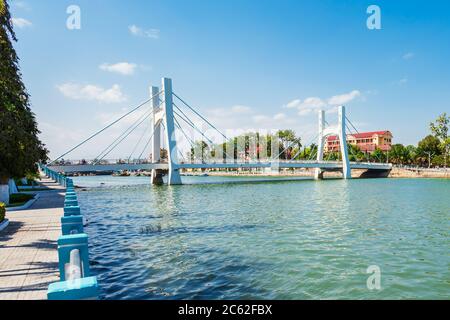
column 268, row 240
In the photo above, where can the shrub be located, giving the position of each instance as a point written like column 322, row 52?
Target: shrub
column 19, row 197
column 2, row 211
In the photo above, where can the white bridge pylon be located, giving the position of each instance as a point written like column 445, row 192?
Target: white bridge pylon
column 164, row 115
column 338, row 131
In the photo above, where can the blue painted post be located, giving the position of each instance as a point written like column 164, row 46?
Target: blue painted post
column 72, row 211
column 79, row 289
column 70, row 203
column 69, row 182
column 71, row 197
column 72, row 224
column 66, row 244
column 71, row 193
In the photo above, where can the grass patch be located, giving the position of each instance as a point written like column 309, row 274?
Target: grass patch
column 33, row 189
column 19, row 199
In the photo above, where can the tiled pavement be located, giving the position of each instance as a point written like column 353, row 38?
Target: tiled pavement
column 28, row 255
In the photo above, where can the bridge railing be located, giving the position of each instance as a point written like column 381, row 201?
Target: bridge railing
column 72, row 162
column 75, row 279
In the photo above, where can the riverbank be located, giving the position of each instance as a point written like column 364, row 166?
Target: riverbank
column 395, row 173
column 419, row 173
column 28, row 255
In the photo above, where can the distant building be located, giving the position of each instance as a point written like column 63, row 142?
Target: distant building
column 366, row 141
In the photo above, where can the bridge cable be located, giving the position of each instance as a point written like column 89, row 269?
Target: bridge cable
column 187, row 138
column 179, row 109
column 148, row 142
column 137, row 144
column 177, row 124
column 300, row 149
column 126, row 133
column 97, row 160
column 366, row 155
column 198, row 114
column 108, row 126
column 198, row 130
column 119, row 137
column 191, row 123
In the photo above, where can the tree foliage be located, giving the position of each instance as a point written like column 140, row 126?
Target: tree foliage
column 439, row 128
column 20, row 148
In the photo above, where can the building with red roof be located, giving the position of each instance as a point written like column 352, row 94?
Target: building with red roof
column 366, row 141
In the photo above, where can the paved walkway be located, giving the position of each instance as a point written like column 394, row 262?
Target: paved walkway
column 28, row 254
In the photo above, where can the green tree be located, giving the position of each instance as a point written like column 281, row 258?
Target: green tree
column 399, row 154
column 20, row 148
column 439, row 128
column 378, row 155
column 429, row 147
column 288, row 141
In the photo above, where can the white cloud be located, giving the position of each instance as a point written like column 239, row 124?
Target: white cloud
column 139, row 32
column 124, row 68
column 92, row 92
column 259, row 118
column 240, row 109
column 309, row 105
column 306, row 106
column 21, row 23
column 408, row 56
column 304, row 112
column 21, row 5
column 279, row 116
column 312, row 103
column 344, row 98
column 293, row 104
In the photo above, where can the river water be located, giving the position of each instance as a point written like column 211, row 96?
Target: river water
column 268, row 240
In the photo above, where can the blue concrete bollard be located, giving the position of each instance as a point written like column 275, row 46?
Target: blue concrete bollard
column 84, row 288
column 70, row 189
column 72, row 211
column 71, row 197
column 70, row 203
column 71, row 193
column 66, row 244
column 71, row 224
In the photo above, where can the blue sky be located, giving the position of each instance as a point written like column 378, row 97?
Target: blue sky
column 244, row 64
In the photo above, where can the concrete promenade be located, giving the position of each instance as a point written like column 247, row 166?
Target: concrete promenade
column 28, row 253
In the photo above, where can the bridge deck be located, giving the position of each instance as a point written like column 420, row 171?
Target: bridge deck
column 331, row 165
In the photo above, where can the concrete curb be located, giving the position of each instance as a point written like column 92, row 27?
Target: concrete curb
column 28, row 204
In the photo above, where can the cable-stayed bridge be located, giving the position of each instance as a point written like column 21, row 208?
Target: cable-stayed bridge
column 169, row 120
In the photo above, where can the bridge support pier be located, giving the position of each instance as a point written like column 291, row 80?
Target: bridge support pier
column 157, row 177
